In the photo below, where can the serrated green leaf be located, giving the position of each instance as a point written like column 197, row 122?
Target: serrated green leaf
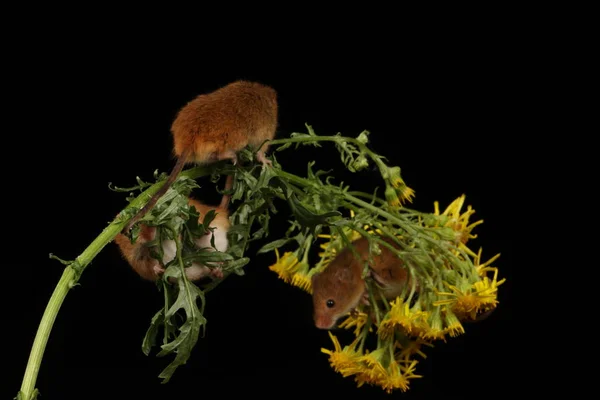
column 189, row 331
column 306, row 217
column 150, row 337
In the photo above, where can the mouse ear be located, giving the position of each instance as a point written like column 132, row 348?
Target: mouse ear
column 344, row 274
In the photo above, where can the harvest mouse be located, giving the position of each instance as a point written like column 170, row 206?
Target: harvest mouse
column 217, row 125
column 139, row 257
column 340, row 287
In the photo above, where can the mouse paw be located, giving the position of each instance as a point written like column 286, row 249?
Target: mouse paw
column 260, row 156
column 228, row 155
column 217, row 273
column 158, row 270
column 365, row 299
column 378, row 278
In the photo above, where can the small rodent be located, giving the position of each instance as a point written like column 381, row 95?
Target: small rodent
column 138, row 254
column 217, row 125
column 340, row 288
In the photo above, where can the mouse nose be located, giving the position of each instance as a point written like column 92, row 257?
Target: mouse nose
column 323, row 322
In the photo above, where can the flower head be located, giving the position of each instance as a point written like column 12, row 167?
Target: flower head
column 409, row 348
column 397, row 376
column 401, row 316
column 391, row 196
column 468, row 300
column 452, row 218
column 452, row 325
column 285, row 266
column 343, row 360
column 433, row 329
column 356, row 320
column 302, row 276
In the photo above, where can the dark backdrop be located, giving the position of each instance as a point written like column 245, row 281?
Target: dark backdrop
column 84, row 118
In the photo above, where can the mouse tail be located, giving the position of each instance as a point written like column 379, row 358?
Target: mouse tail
column 181, row 161
column 227, row 192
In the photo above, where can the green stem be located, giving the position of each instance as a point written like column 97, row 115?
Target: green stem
column 39, row 344
column 71, row 275
column 368, row 196
column 305, row 182
column 337, row 139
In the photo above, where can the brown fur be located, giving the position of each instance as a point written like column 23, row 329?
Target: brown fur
column 342, row 281
column 217, row 125
column 138, row 254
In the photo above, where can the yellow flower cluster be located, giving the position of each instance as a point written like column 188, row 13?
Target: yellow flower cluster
column 459, row 223
column 381, row 367
column 469, row 300
column 405, row 325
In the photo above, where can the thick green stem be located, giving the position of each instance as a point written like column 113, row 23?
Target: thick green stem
column 70, row 277
column 39, row 344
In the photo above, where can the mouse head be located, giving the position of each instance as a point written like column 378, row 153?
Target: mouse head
column 336, row 291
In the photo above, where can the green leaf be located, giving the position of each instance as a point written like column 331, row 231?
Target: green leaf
column 306, row 217
column 283, row 147
column 237, row 264
column 209, row 217
column 205, row 256
column 238, row 229
column 189, row 331
column 274, row 245
column 150, row 338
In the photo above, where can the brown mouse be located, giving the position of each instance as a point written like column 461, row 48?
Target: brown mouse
column 139, row 257
column 217, row 125
column 340, row 287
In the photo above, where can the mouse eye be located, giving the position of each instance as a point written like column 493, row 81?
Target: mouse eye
column 330, row 303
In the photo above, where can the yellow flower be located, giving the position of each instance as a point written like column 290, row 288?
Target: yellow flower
column 371, row 375
column 405, row 193
column 401, row 316
column 302, row 276
column 392, row 176
column 488, row 289
column 357, row 320
column 434, row 328
column 285, row 266
column 391, row 196
column 374, row 358
column 397, row 377
column 452, row 324
column 458, row 222
column 467, row 301
column 411, row 348
column 485, row 267
column 372, row 370
column 343, row 360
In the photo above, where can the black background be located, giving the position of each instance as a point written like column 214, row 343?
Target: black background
column 86, row 116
